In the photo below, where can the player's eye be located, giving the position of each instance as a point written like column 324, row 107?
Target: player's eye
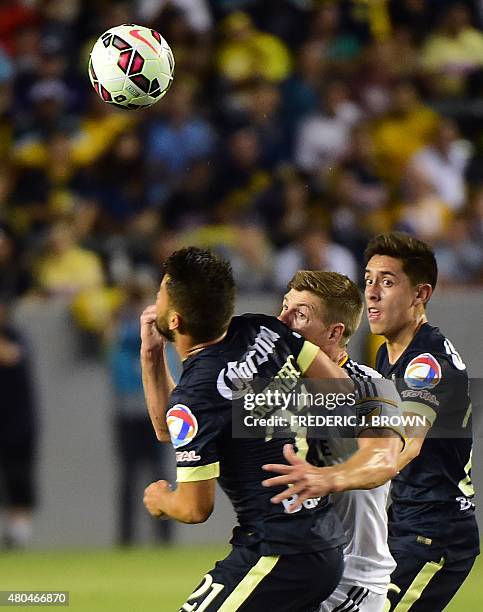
column 387, row 283
column 301, row 315
column 368, row 281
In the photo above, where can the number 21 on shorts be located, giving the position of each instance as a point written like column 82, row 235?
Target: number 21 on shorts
column 200, row 599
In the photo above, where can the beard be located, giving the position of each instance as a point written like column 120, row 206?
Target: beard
column 163, row 328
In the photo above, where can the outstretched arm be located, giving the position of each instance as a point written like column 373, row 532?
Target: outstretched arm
column 157, row 381
column 373, row 464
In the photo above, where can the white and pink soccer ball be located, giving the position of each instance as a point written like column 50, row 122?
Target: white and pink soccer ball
column 131, row 66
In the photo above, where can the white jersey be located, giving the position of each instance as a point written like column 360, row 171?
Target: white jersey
column 368, row 562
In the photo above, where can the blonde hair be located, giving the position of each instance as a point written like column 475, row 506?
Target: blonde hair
column 340, row 296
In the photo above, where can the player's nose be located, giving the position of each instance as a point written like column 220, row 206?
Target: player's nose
column 284, row 317
column 371, row 293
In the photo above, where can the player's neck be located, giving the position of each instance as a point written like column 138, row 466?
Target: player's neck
column 185, row 346
column 397, row 344
column 340, row 357
column 336, row 354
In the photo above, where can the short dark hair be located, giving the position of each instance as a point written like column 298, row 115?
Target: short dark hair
column 341, row 297
column 201, row 288
column 417, row 257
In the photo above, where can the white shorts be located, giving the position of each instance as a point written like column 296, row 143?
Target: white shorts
column 350, row 598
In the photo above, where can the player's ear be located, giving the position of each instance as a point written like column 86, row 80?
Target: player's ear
column 423, row 294
column 174, row 321
column 336, row 332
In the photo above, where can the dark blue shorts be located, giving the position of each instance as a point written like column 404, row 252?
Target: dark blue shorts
column 429, row 572
column 246, row 581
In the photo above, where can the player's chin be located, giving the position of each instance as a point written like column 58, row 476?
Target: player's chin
column 377, row 327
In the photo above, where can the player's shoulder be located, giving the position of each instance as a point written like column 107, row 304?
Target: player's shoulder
column 186, row 395
column 431, row 359
column 188, row 406
column 360, row 370
column 182, row 419
column 261, row 328
column 196, row 387
column 429, row 337
column 256, row 321
column 431, row 349
column 370, row 383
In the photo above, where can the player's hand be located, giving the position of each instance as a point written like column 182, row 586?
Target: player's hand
column 154, row 495
column 151, row 340
column 301, row 478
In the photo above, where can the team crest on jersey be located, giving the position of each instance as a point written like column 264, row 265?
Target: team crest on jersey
column 423, row 372
column 182, row 425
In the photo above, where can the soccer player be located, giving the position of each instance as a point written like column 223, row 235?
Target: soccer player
column 433, row 535
column 280, row 560
column 326, row 309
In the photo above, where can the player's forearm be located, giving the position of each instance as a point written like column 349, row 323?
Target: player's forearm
column 175, row 506
column 174, row 509
column 158, row 385
column 367, row 468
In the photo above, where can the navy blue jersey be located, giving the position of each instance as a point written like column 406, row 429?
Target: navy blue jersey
column 199, row 418
column 434, row 491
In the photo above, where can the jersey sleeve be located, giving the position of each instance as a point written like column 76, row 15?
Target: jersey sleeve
column 303, row 350
column 378, row 405
column 428, row 385
column 306, row 355
column 289, row 342
column 194, row 429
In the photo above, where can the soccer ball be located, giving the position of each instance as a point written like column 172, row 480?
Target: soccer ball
column 131, row 66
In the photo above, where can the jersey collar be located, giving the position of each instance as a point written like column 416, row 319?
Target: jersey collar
column 343, row 361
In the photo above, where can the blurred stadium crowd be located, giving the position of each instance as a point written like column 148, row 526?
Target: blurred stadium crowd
column 293, row 132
